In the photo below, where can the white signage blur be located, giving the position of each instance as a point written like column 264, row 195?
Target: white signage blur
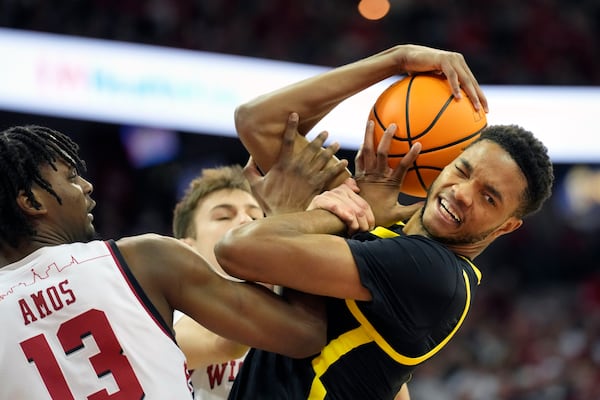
column 196, row 91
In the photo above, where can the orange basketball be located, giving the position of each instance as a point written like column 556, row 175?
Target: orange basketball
column 425, row 111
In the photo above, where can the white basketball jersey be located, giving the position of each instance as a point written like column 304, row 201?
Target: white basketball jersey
column 76, row 325
column 213, row 382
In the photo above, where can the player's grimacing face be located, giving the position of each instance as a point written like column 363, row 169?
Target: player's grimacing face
column 475, row 197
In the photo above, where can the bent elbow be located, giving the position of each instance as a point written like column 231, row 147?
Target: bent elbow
column 244, row 120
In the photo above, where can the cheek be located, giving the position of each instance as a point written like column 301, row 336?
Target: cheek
column 215, row 230
column 72, row 194
column 485, row 220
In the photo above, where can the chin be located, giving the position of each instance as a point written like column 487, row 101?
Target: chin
column 91, row 234
column 439, row 235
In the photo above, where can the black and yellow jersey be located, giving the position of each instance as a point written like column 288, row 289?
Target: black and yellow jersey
column 421, row 295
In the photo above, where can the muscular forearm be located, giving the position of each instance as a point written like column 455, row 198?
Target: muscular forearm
column 294, row 250
column 316, row 221
column 261, row 122
column 247, row 251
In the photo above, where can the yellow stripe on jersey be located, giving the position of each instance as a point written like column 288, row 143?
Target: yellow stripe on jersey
column 388, row 233
column 382, row 232
column 385, row 346
column 475, row 269
column 366, row 333
column 341, row 345
column 331, row 354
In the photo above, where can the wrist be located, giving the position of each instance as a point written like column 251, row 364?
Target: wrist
column 401, row 57
column 329, row 222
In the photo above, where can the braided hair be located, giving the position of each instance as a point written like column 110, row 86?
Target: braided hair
column 23, row 149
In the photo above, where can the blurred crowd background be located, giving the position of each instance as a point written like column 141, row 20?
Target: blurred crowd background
column 505, row 41
column 534, row 333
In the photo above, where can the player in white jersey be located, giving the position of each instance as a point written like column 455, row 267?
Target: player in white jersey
column 92, row 319
column 75, row 314
column 214, row 202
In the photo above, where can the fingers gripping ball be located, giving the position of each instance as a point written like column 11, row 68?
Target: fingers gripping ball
column 425, row 111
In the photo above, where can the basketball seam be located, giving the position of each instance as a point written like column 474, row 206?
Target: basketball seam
column 416, row 167
column 408, row 133
column 431, row 150
column 431, row 125
column 377, row 118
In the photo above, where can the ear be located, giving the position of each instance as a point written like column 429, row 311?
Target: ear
column 28, row 206
column 510, row 225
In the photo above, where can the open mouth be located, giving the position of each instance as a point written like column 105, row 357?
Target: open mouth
column 446, row 207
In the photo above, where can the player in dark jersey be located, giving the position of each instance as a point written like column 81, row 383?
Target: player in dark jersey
column 393, row 302
column 373, row 347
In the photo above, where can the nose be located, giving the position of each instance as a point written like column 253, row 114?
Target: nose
column 463, row 192
column 87, row 186
column 244, row 218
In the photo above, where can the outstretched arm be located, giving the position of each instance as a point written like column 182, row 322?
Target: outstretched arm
column 174, row 276
column 261, row 121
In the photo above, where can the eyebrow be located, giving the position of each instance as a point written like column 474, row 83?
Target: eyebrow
column 467, row 165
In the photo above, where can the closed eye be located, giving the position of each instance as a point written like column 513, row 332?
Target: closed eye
column 461, row 172
column 464, row 167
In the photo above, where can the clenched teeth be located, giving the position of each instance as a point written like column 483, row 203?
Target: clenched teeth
column 446, row 207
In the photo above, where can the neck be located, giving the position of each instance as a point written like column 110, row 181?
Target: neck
column 9, row 254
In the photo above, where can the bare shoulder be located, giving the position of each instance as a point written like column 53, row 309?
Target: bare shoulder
column 172, row 273
column 160, row 256
column 149, row 247
column 160, row 264
column 145, row 241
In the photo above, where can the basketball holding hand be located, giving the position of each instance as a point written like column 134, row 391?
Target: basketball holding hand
column 378, row 182
column 425, row 111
